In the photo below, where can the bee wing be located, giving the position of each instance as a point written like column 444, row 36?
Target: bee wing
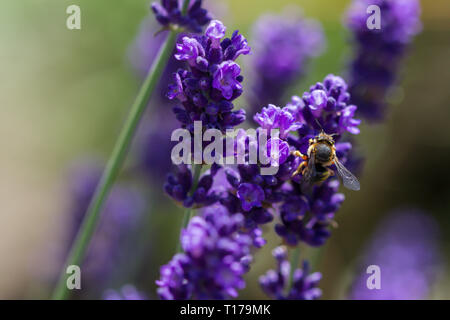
column 349, row 180
column 310, row 173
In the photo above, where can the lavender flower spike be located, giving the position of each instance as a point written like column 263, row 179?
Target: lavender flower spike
column 168, row 12
column 250, row 195
column 378, row 52
column 215, row 258
column 305, row 217
column 275, row 282
column 273, row 117
column 206, row 91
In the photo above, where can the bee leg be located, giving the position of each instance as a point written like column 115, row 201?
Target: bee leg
column 330, row 172
column 299, row 154
column 300, row 168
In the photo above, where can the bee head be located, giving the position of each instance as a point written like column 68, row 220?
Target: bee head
column 323, row 137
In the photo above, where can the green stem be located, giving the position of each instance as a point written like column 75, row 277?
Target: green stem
column 185, row 7
column 114, row 164
column 295, row 257
column 189, row 212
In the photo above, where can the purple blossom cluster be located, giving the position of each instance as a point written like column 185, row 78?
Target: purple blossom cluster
column 206, row 91
column 215, row 258
column 308, row 216
column 405, row 247
column 169, row 13
column 119, row 219
column 243, row 193
column 304, row 216
column 238, row 200
column 179, row 185
column 283, row 44
column 275, row 282
column 379, row 52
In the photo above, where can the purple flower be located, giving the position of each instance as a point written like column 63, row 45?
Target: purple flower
column 215, row 32
column 250, row 195
column 304, row 217
column 280, row 191
column 378, row 52
column 318, row 99
column 225, row 78
column 194, row 239
column 179, row 185
column 189, row 49
column 226, row 184
column 283, row 45
column 238, row 46
column 127, row 292
column 168, row 12
column 212, row 82
column 326, row 104
column 215, row 258
column 347, row 120
column 405, row 247
column 304, row 285
column 206, row 92
column 322, row 205
column 176, row 89
column 283, row 150
column 273, row 117
column 267, row 117
column 172, row 284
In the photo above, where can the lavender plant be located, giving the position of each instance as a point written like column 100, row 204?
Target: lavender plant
column 215, row 258
column 210, row 266
column 256, row 199
column 283, row 44
column 217, row 245
column 157, row 125
column 378, row 53
column 303, row 217
column 206, row 92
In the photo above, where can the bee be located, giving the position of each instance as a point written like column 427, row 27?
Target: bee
column 322, row 154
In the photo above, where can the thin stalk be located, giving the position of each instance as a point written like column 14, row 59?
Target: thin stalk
column 185, row 7
column 114, row 164
column 189, row 212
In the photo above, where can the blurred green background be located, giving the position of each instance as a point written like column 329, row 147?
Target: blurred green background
column 65, row 93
